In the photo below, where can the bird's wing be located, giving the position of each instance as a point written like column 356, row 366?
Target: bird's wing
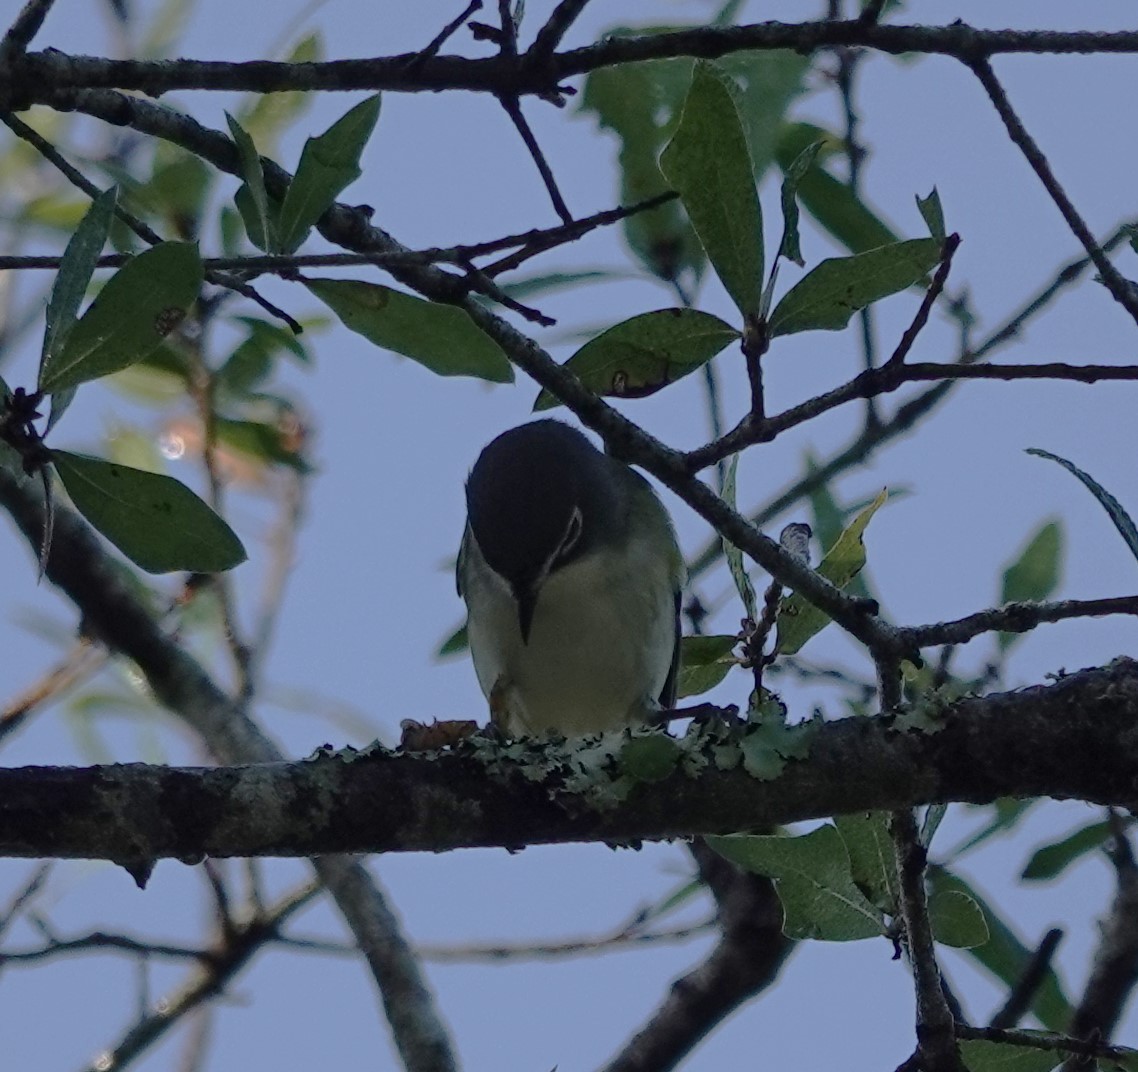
column 460, row 562
column 668, row 693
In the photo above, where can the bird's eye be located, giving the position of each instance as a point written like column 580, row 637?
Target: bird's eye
column 572, row 535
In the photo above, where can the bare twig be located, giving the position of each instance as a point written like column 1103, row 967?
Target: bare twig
column 444, row 35
column 513, row 109
column 556, row 26
column 934, row 291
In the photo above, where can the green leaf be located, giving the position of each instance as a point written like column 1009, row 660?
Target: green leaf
column 71, row 282
column 932, row 214
column 650, row 758
column 1122, row 520
column 457, row 643
column 828, row 518
column 157, row 522
column 252, row 200
column 789, row 246
column 798, row 619
column 734, row 556
column 1006, row 957
column 269, row 113
column 812, row 876
column 1048, row 861
column 259, row 440
column 826, row 297
column 836, row 208
column 440, row 337
column 638, row 357
column 957, row 920
column 709, row 164
column 328, row 164
column 934, row 815
column 704, row 662
column 1008, row 814
column 1034, row 575
column 872, row 864
column 139, row 306
column 982, row 1055
column 252, row 360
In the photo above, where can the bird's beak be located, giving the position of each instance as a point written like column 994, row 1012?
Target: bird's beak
column 527, row 601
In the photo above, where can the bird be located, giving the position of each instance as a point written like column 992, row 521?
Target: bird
column 571, row 574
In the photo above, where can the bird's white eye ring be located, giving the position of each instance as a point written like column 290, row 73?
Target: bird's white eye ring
column 572, row 534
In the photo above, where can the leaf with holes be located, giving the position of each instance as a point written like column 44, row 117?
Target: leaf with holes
column 638, row 357
column 155, row 520
column 137, row 308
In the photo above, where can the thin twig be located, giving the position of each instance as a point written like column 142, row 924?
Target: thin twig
column 931, row 294
column 443, row 36
column 513, row 109
column 556, row 26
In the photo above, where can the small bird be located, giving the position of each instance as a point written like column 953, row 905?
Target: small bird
column 571, row 574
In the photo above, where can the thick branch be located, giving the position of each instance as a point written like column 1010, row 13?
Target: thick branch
column 1070, row 739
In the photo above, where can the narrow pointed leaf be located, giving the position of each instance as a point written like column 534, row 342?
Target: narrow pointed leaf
column 252, row 198
column 789, row 247
column 457, row 643
column 798, row 619
column 812, row 876
column 735, row 561
column 136, row 309
column 1049, row 861
column 1122, row 520
column 327, row 165
column 826, row 297
column 155, row 520
column 439, row 337
column 932, row 214
column 644, row 354
column 709, row 164
column 1034, row 575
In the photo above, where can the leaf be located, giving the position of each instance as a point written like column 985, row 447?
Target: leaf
column 1048, row 861
column 252, row 360
column 458, row 643
column 957, row 920
column 827, row 296
column 650, row 758
column 155, row 520
column 932, row 214
column 872, row 865
column 270, row 113
column 1034, row 575
column 259, row 440
column 71, row 282
column 734, row 556
column 982, row 1055
column 252, row 200
column 812, row 876
column 798, row 619
column 442, row 338
column 327, row 165
column 638, row 357
column 930, row 824
column 709, row 165
column 1122, row 520
column 1009, row 813
column 789, row 246
column 136, row 309
column 828, row 518
column 1006, row 957
column 704, row 662
column 836, row 208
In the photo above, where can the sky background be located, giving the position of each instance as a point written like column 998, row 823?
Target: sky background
column 372, row 593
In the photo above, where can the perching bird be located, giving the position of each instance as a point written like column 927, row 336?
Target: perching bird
column 571, row 574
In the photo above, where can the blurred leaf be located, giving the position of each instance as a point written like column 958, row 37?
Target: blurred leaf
column 252, row 360
column 639, row 102
column 812, row 876
column 550, row 282
column 798, row 619
column 178, row 190
column 71, row 282
column 1006, row 957
column 1034, row 575
column 1122, row 520
column 835, row 207
column 157, row 522
column 872, row 865
column 827, row 296
column 957, row 920
column 640, row 356
column 708, row 163
column 328, row 164
column 442, row 338
column 139, row 305
column 650, row 758
column 458, row 643
column 259, row 440
column 734, row 556
column 1009, row 813
column 789, row 246
column 828, row 518
column 981, row 1055
column 164, row 29
column 270, row 113
column 252, row 200
column 1051, row 860
column 932, row 214
column 129, row 446
column 704, row 662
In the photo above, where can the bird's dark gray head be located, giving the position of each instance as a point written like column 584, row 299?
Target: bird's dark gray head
column 539, row 496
